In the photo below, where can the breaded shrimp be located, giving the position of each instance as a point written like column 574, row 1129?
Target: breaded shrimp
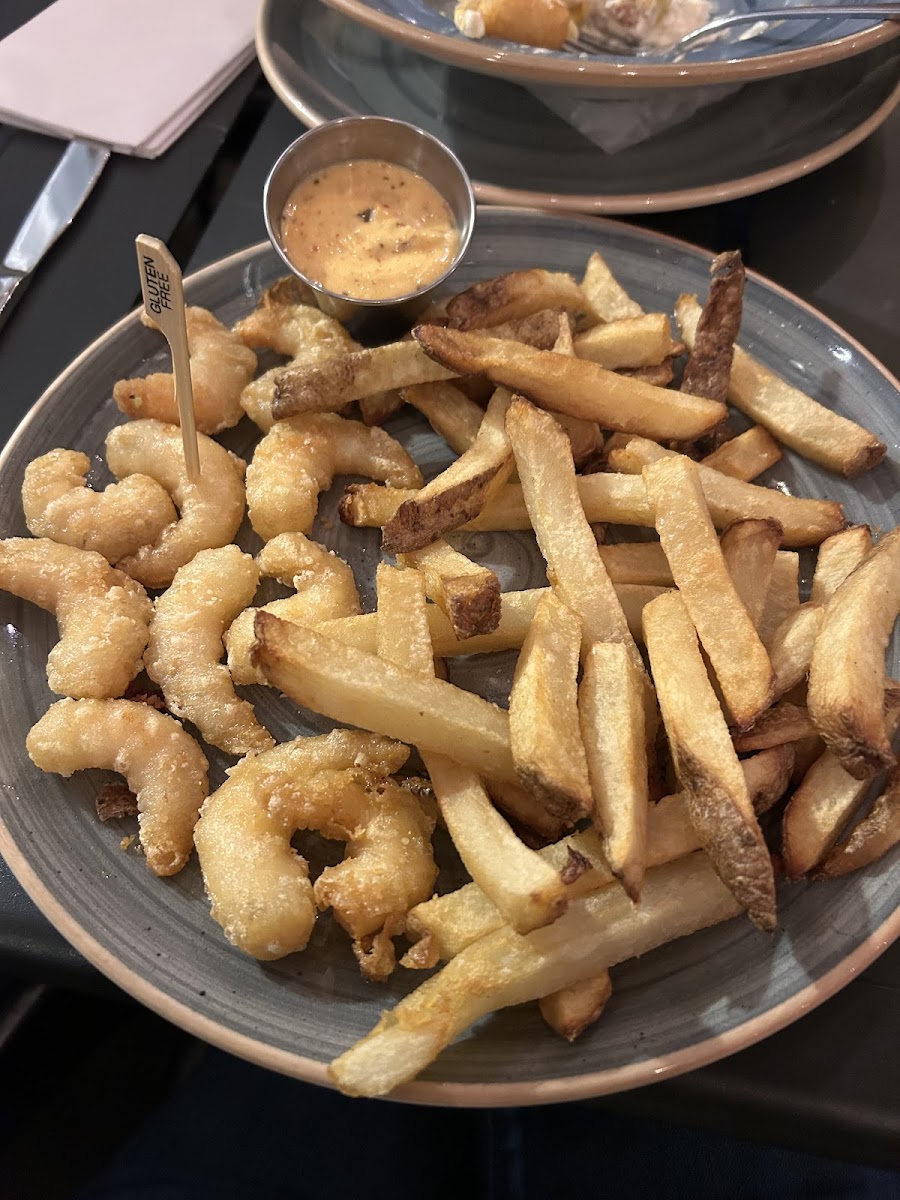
column 221, row 367
column 116, row 522
column 259, row 886
column 210, row 511
column 162, row 763
column 102, row 613
column 185, row 648
column 299, row 458
column 325, row 589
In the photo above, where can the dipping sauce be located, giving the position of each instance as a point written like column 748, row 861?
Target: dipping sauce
column 369, row 230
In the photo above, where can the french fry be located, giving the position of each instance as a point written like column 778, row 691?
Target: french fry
column 816, row 432
column 792, row 644
column 778, row 725
column 375, row 410
column 527, row 811
column 659, row 376
column 516, row 295
column 715, row 789
column 353, row 375
column 460, row 493
column 847, row 675
column 637, row 562
column 708, row 367
column 447, row 924
column 822, row 804
column 805, row 522
column 644, row 341
column 449, row 412
column 407, row 641
column 574, row 386
column 726, row 629
column 611, row 712
column 608, row 298
column 360, row 689
column 539, row 329
column 783, row 596
column 585, row 437
column 747, row 455
column 507, row 968
column 571, row 1010
column 467, row 594
column 749, row 547
column 838, row 556
column 543, row 712
column 871, row 839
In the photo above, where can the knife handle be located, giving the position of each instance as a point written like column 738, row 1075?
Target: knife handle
column 8, row 285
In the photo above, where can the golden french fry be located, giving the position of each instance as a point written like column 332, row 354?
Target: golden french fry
column 847, row 675
column 779, row 724
column 571, row 1010
column 543, row 712
column 838, row 556
column 792, row 644
column 528, row 812
column 507, row 968
column 377, row 409
column 871, row 839
column 805, row 522
column 448, row 411
column 783, row 596
column 608, row 298
column 460, row 493
column 747, row 455
column 726, row 629
column 468, row 595
column 585, row 437
column 644, row 341
column 348, row 685
column 514, row 296
column 611, row 712
column 749, row 547
column 402, row 635
column 637, row 562
column 796, row 419
column 715, row 789
column 575, row 386
column 351, row 375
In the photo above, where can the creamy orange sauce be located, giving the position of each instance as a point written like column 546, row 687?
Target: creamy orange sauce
column 369, row 230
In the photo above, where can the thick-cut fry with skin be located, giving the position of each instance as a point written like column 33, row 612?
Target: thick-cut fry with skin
column 715, row 789
column 574, row 386
column 608, row 298
column 805, row 522
column 871, row 839
column 837, row 557
column 459, row 493
column 747, row 455
column 637, row 562
column 162, row 763
column 543, row 712
column 360, row 689
column 570, row 1011
column 103, row 615
column 726, row 629
column 467, row 594
column 447, row 924
column 611, row 712
column 328, row 386
column 778, row 725
column 507, row 968
column 783, row 596
column 749, row 548
column 539, row 329
column 816, row 432
column 644, row 341
column 526, row 811
column 516, row 614
column 847, row 674
column 792, row 645
column 660, row 376
column 516, row 295
column 822, row 804
column 448, row 411
column 525, row 888
column 585, row 437
column 708, row 367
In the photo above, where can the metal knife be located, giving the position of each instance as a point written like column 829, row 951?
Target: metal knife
column 64, row 193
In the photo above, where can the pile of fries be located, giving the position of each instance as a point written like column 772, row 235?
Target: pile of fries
column 667, row 692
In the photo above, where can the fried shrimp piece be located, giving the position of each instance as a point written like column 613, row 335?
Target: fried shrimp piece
column 102, row 614
column 325, row 589
column 116, row 522
column 221, row 367
column 185, row 647
column 259, row 886
column 162, row 763
column 210, row 511
column 299, row 458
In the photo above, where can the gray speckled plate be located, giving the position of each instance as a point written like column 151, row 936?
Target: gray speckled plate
column 518, row 151
column 682, row 1006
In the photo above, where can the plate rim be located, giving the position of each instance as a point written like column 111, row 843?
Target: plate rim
column 515, row 64
column 601, row 204
column 443, row 1093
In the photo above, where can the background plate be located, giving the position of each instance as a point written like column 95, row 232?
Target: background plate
column 519, row 152
column 683, row 1005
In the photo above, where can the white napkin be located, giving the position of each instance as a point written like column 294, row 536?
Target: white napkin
column 130, row 74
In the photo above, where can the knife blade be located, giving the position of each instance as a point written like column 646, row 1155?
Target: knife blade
column 51, row 214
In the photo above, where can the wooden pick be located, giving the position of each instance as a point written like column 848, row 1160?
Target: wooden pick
column 164, row 304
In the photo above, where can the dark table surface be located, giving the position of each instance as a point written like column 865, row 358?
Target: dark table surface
column 828, row 1083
